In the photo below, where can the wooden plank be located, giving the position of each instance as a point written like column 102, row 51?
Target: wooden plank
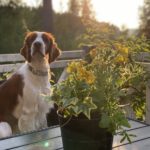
column 146, row 65
column 71, row 54
column 61, row 63
column 139, row 145
column 9, row 67
column 141, row 56
column 12, row 67
column 135, row 124
column 5, row 58
column 51, row 137
column 11, row 58
column 141, row 133
column 52, row 144
column 147, row 117
column 144, row 56
column 30, row 138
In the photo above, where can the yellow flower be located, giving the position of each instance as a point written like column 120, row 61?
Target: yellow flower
column 72, row 67
column 75, row 65
column 81, row 72
column 122, row 49
column 123, row 53
column 90, row 78
column 125, row 50
column 93, row 53
column 86, row 75
column 121, row 59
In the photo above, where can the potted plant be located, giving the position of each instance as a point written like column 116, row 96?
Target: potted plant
column 89, row 100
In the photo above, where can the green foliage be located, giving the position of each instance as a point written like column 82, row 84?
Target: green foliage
column 107, row 92
column 73, row 95
column 136, row 44
column 96, row 32
column 67, row 28
column 9, row 42
column 126, row 136
column 99, row 84
column 14, row 24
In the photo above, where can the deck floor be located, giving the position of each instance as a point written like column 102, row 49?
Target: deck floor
column 140, row 142
column 50, row 139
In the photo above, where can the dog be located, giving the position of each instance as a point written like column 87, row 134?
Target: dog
column 21, row 100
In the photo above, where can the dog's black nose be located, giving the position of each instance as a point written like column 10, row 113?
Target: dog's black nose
column 37, row 44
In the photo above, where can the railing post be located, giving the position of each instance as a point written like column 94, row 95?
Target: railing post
column 148, row 103
column 87, row 49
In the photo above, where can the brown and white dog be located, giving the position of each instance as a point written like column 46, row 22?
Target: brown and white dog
column 20, row 95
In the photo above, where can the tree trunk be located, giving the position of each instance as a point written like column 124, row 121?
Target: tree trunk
column 47, row 16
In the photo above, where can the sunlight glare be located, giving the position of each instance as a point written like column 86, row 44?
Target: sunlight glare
column 118, row 12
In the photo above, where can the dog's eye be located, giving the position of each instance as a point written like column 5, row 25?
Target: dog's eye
column 30, row 39
column 46, row 39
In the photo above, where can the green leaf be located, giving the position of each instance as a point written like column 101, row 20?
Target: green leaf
column 128, row 138
column 105, row 121
column 123, row 138
column 86, row 106
column 69, row 101
column 76, row 110
column 125, row 123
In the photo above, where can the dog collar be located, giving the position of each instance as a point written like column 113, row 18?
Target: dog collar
column 37, row 72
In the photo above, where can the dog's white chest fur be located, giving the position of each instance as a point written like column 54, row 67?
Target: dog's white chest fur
column 32, row 108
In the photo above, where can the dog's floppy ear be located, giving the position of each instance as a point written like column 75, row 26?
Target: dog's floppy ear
column 24, row 51
column 54, row 53
column 53, row 49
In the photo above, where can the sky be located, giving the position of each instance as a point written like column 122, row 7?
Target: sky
column 117, row 12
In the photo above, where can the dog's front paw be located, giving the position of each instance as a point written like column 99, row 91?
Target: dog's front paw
column 5, row 130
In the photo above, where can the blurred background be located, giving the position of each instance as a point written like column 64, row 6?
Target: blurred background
column 69, row 20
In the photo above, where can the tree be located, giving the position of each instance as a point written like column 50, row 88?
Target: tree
column 47, row 16
column 74, row 7
column 86, row 9
column 145, row 19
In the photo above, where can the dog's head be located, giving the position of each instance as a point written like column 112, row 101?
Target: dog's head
column 42, row 44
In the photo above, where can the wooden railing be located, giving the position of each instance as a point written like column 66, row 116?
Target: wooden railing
column 10, row 62
column 144, row 59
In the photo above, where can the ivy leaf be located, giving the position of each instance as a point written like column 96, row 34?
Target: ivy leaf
column 76, row 109
column 69, row 101
column 86, row 106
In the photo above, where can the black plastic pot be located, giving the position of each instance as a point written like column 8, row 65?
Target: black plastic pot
column 80, row 133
